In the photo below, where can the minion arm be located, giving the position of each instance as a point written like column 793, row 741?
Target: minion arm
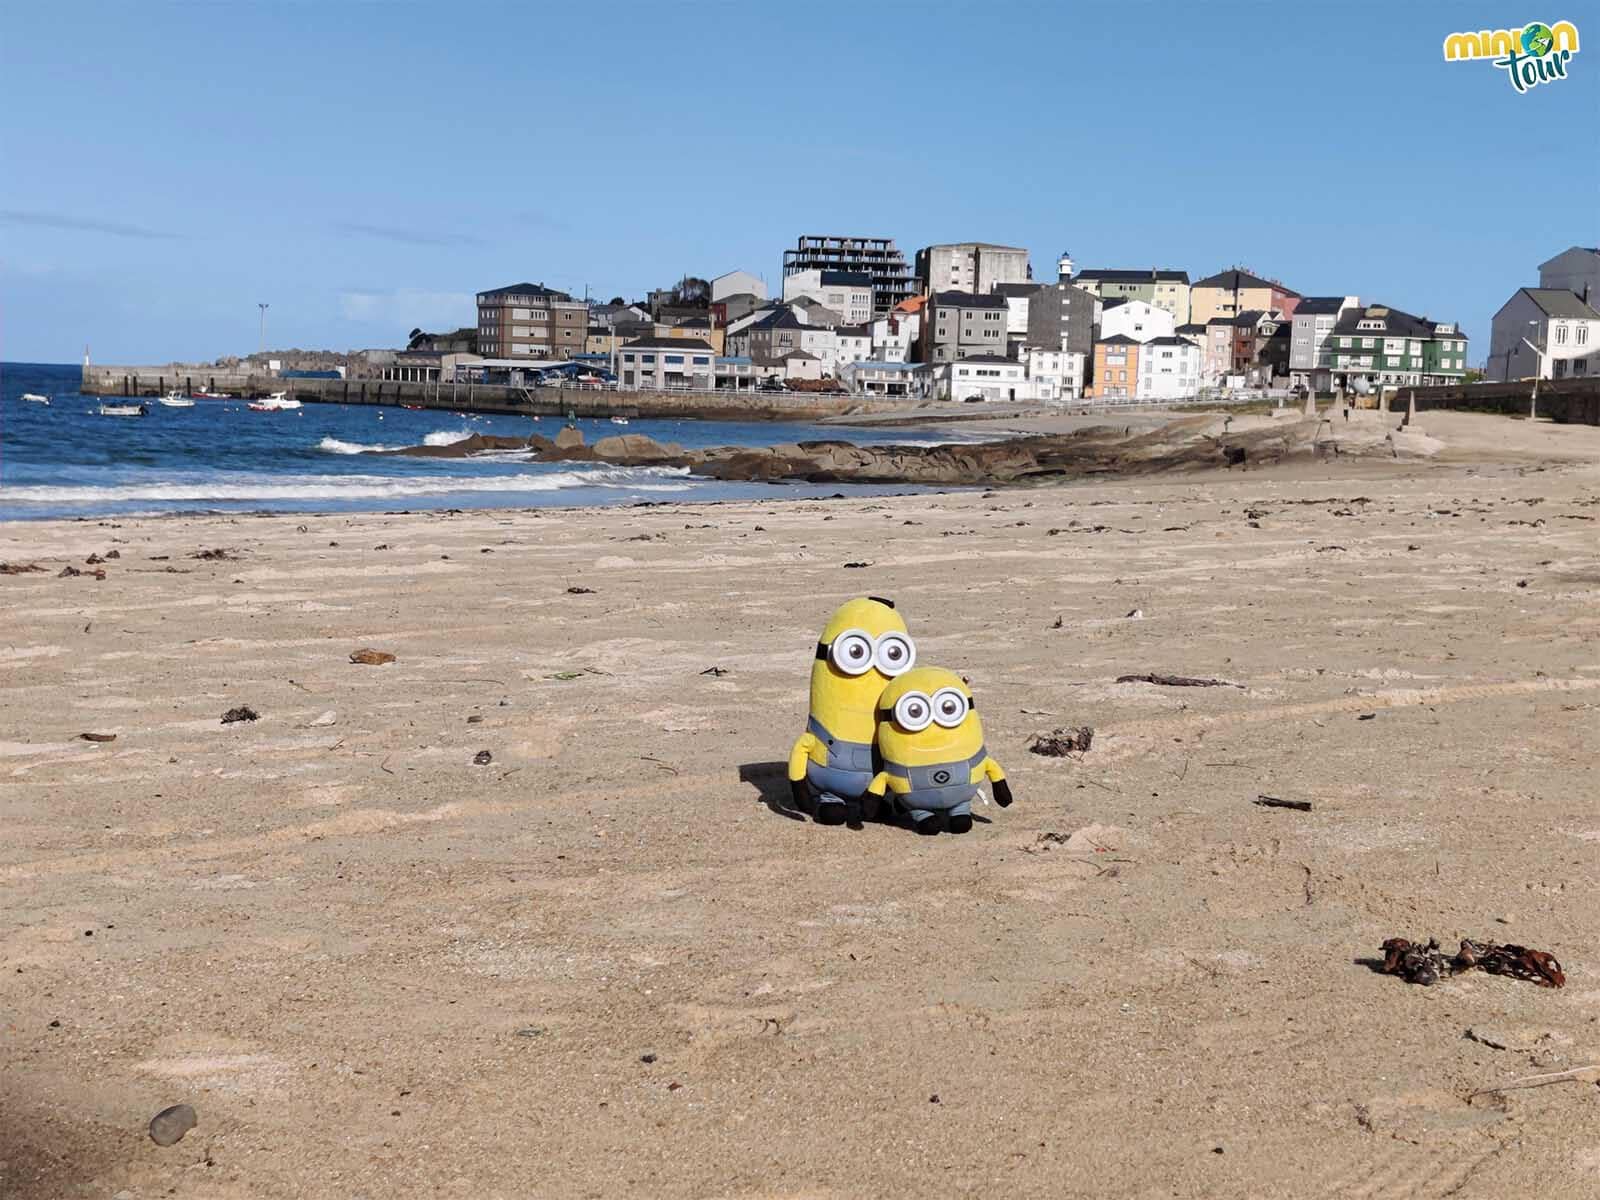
column 797, row 767
column 879, row 784
column 1002, row 789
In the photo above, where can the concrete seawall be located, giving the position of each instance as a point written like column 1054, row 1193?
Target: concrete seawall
column 1568, row 401
column 488, row 398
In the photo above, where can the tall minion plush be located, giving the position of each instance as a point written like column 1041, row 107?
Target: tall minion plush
column 930, row 743
column 864, row 646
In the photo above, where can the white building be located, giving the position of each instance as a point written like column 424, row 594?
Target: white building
column 736, row 283
column 876, row 378
column 982, row 377
column 893, row 336
column 1056, row 376
column 1575, row 270
column 1548, row 333
column 852, row 344
column 848, row 293
column 1169, row 369
column 1137, row 320
column 802, row 364
column 668, row 363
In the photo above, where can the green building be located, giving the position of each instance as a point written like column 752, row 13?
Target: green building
column 1384, row 347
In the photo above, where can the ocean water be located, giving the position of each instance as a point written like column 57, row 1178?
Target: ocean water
column 65, row 460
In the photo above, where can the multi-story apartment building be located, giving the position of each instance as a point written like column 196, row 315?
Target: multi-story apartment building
column 529, row 320
column 981, row 377
column 892, row 280
column 1574, row 270
column 970, row 267
column 847, row 293
column 1547, row 333
column 1312, row 323
column 738, row 283
column 1056, row 375
column 668, row 363
column 1116, row 368
column 1061, row 316
column 1160, row 286
column 1137, row 319
column 1231, row 292
column 957, row 325
column 1379, row 346
column 1168, row 368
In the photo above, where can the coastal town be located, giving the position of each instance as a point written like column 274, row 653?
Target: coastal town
column 970, row 321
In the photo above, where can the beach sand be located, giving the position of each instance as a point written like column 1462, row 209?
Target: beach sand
column 611, row 962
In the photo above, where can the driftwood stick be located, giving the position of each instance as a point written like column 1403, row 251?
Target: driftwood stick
column 1274, row 802
column 1579, row 1074
column 1177, row 681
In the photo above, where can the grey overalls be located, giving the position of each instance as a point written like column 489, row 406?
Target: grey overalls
column 849, row 768
column 937, row 787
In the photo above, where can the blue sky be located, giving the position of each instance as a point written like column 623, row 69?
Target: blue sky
column 366, row 167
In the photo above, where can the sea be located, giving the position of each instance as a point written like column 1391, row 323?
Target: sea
column 65, row 460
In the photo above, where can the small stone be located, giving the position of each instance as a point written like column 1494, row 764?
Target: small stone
column 169, row 1125
column 934, row 1099
column 647, row 1058
column 327, row 718
column 243, row 713
column 483, row 758
column 371, row 658
column 53, row 1024
column 475, row 719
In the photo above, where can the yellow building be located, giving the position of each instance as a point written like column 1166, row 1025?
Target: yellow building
column 1229, row 293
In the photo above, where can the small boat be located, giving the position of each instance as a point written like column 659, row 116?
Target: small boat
column 203, row 394
column 35, row 398
column 176, row 400
column 277, row 402
column 123, row 410
column 619, row 420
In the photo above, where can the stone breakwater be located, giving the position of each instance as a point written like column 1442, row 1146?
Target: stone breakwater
column 1193, row 443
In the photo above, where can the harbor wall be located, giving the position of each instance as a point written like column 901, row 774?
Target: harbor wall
column 1568, row 401
column 488, row 398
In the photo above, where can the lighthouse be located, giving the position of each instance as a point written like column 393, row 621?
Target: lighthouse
column 1064, row 268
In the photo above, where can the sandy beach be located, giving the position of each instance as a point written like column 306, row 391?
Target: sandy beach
column 611, row 960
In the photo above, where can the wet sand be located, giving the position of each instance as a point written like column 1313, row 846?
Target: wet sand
column 612, row 961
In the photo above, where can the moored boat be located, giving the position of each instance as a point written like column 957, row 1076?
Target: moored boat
column 277, row 402
column 176, row 400
column 35, row 398
column 123, row 410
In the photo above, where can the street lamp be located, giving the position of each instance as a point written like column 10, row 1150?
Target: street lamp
column 261, row 344
column 1538, row 372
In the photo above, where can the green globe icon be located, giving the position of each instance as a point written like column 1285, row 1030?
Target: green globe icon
column 1537, row 40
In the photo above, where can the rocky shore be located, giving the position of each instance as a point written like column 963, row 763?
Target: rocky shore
column 1186, row 443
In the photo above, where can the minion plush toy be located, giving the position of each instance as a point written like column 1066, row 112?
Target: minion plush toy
column 864, row 645
column 930, row 743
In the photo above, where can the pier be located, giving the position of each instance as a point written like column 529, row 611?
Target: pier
column 133, row 382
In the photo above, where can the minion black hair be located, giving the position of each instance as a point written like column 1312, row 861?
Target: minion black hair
column 882, row 601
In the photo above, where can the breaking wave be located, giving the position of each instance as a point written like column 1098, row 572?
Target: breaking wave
column 335, row 446
column 352, row 487
column 447, row 437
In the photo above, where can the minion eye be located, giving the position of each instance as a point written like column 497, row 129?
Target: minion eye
column 949, row 707
column 894, row 654
column 913, row 712
column 851, row 652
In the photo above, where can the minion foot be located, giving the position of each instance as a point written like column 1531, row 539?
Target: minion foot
column 831, row 811
column 961, row 823
column 926, row 823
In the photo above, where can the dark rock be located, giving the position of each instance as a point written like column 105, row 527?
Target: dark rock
column 169, row 1125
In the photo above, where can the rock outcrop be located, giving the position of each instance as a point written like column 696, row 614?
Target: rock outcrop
column 1185, row 443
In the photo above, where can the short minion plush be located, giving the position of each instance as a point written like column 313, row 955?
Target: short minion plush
column 864, row 645
column 930, row 744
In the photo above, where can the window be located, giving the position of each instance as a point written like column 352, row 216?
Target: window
column 701, row 361
column 1561, row 335
column 627, row 358
column 1583, row 335
column 1366, row 343
column 674, row 358
column 647, row 358
column 1344, row 343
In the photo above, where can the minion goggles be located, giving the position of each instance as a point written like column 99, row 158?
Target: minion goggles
column 855, row 652
column 915, row 711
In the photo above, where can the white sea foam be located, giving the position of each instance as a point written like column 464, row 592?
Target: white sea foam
column 352, row 487
column 335, row 446
column 447, row 437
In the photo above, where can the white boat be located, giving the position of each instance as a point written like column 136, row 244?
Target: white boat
column 123, row 410
column 619, row 420
column 277, row 402
column 176, row 400
column 35, row 398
